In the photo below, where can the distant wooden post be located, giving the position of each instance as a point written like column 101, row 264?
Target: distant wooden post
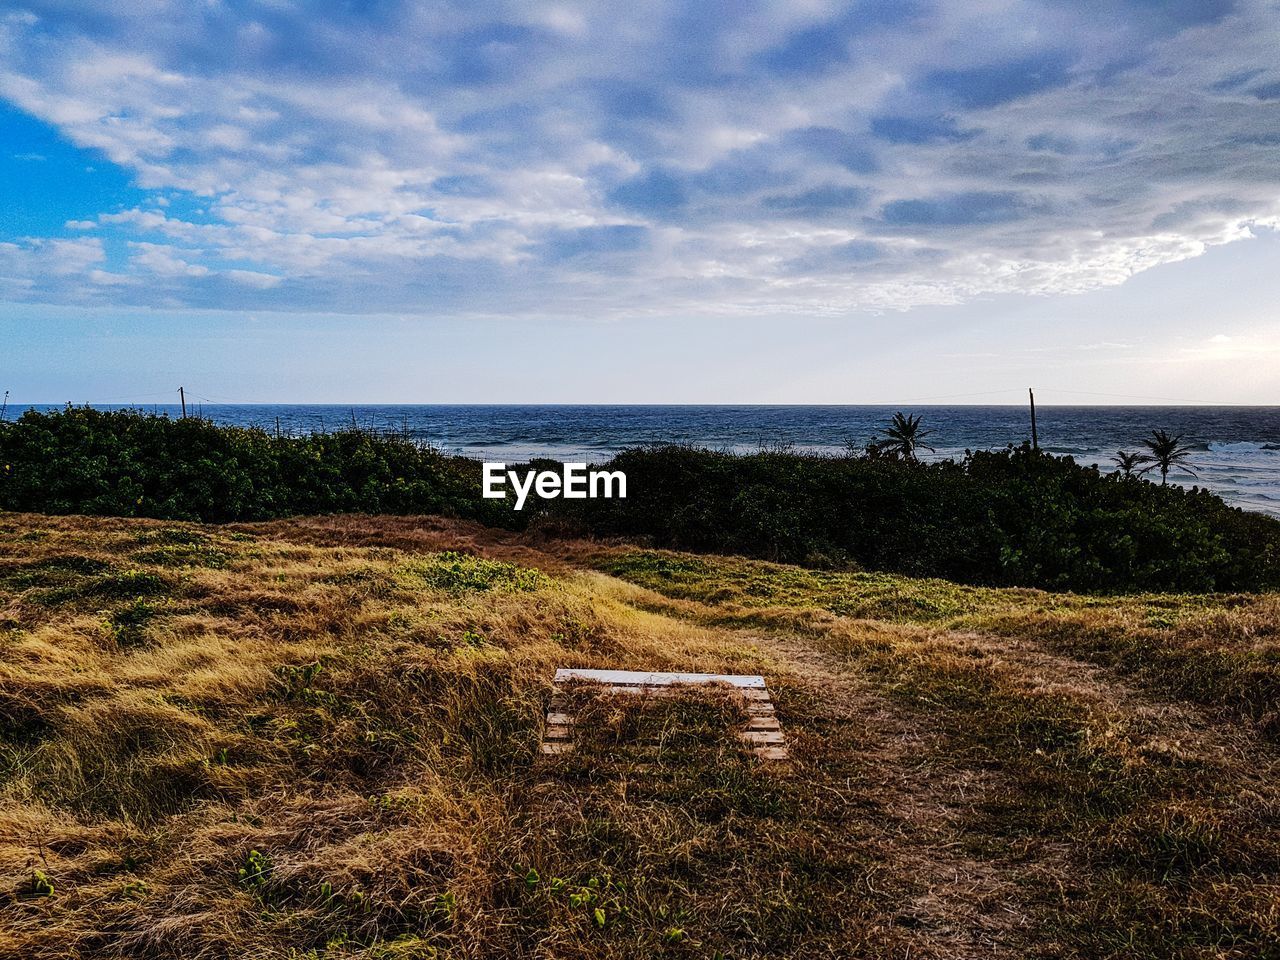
column 1035, row 438
column 182, row 396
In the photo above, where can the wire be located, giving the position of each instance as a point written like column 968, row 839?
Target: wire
column 1085, row 393
column 252, row 403
column 133, row 397
column 1132, row 396
column 953, row 396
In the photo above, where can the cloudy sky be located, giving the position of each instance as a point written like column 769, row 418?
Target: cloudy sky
column 698, row 201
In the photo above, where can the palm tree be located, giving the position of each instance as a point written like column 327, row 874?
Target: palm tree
column 1127, row 462
column 1167, row 453
column 903, row 438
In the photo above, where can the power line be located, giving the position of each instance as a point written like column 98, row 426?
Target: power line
column 1086, row 393
column 1131, row 396
column 955, row 396
column 135, row 396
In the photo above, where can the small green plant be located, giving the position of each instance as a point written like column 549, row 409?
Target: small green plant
column 338, row 941
column 673, row 935
column 303, row 675
column 41, row 884
column 409, row 803
column 256, row 870
column 300, row 681
column 463, row 573
column 127, row 626
column 134, row 890
column 131, row 584
column 447, row 906
column 184, row 556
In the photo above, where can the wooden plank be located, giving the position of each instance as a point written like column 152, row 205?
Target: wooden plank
column 762, row 737
column 753, row 696
column 657, row 679
column 663, row 692
column 762, row 732
column 558, row 713
column 772, row 753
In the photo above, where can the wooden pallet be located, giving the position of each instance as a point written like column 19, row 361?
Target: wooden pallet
column 763, row 732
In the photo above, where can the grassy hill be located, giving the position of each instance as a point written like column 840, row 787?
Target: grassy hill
column 318, row 738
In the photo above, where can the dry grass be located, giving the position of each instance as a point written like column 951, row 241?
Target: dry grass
column 1168, row 803
column 1219, row 650
column 319, row 739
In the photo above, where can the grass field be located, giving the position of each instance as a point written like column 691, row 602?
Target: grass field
column 318, row 739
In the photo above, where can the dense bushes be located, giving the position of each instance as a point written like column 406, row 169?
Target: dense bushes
column 1013, row 517
column 125, row 463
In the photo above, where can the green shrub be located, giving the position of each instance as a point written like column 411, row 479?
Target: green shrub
column 462, row 573
column 1014, row 517
column 127, row 626
column 131, row 464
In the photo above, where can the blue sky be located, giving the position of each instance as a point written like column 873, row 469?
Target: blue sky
column 774, row 202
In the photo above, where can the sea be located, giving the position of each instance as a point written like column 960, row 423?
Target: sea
column 1236, row 448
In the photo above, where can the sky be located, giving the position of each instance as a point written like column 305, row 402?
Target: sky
column 782, row 202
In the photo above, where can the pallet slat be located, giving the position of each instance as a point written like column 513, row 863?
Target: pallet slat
column 656, row 679
column 763, row 732
column 762, row 737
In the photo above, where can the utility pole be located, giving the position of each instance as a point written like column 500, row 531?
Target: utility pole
column 182, row 395
column 1035, row 438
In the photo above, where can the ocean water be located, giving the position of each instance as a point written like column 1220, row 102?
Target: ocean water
column 1237, row 448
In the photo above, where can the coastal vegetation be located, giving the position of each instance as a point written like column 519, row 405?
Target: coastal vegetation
column 904, row 435
column 1128, row 463
column 131, row 464
column 1010, row 517
column 316, row 739
column 1013, row 517
column 1165, row 453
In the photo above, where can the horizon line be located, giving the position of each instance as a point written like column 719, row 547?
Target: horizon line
column 27, row 404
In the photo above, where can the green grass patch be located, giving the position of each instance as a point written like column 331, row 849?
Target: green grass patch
column 464, row 573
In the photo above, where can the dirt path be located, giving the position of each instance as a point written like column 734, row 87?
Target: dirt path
column 915, row 803
column 1175, row 726
column 885, row 771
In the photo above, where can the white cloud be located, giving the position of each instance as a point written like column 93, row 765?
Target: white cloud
column 164, row 261
column 589, row 159
column 40, row 268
